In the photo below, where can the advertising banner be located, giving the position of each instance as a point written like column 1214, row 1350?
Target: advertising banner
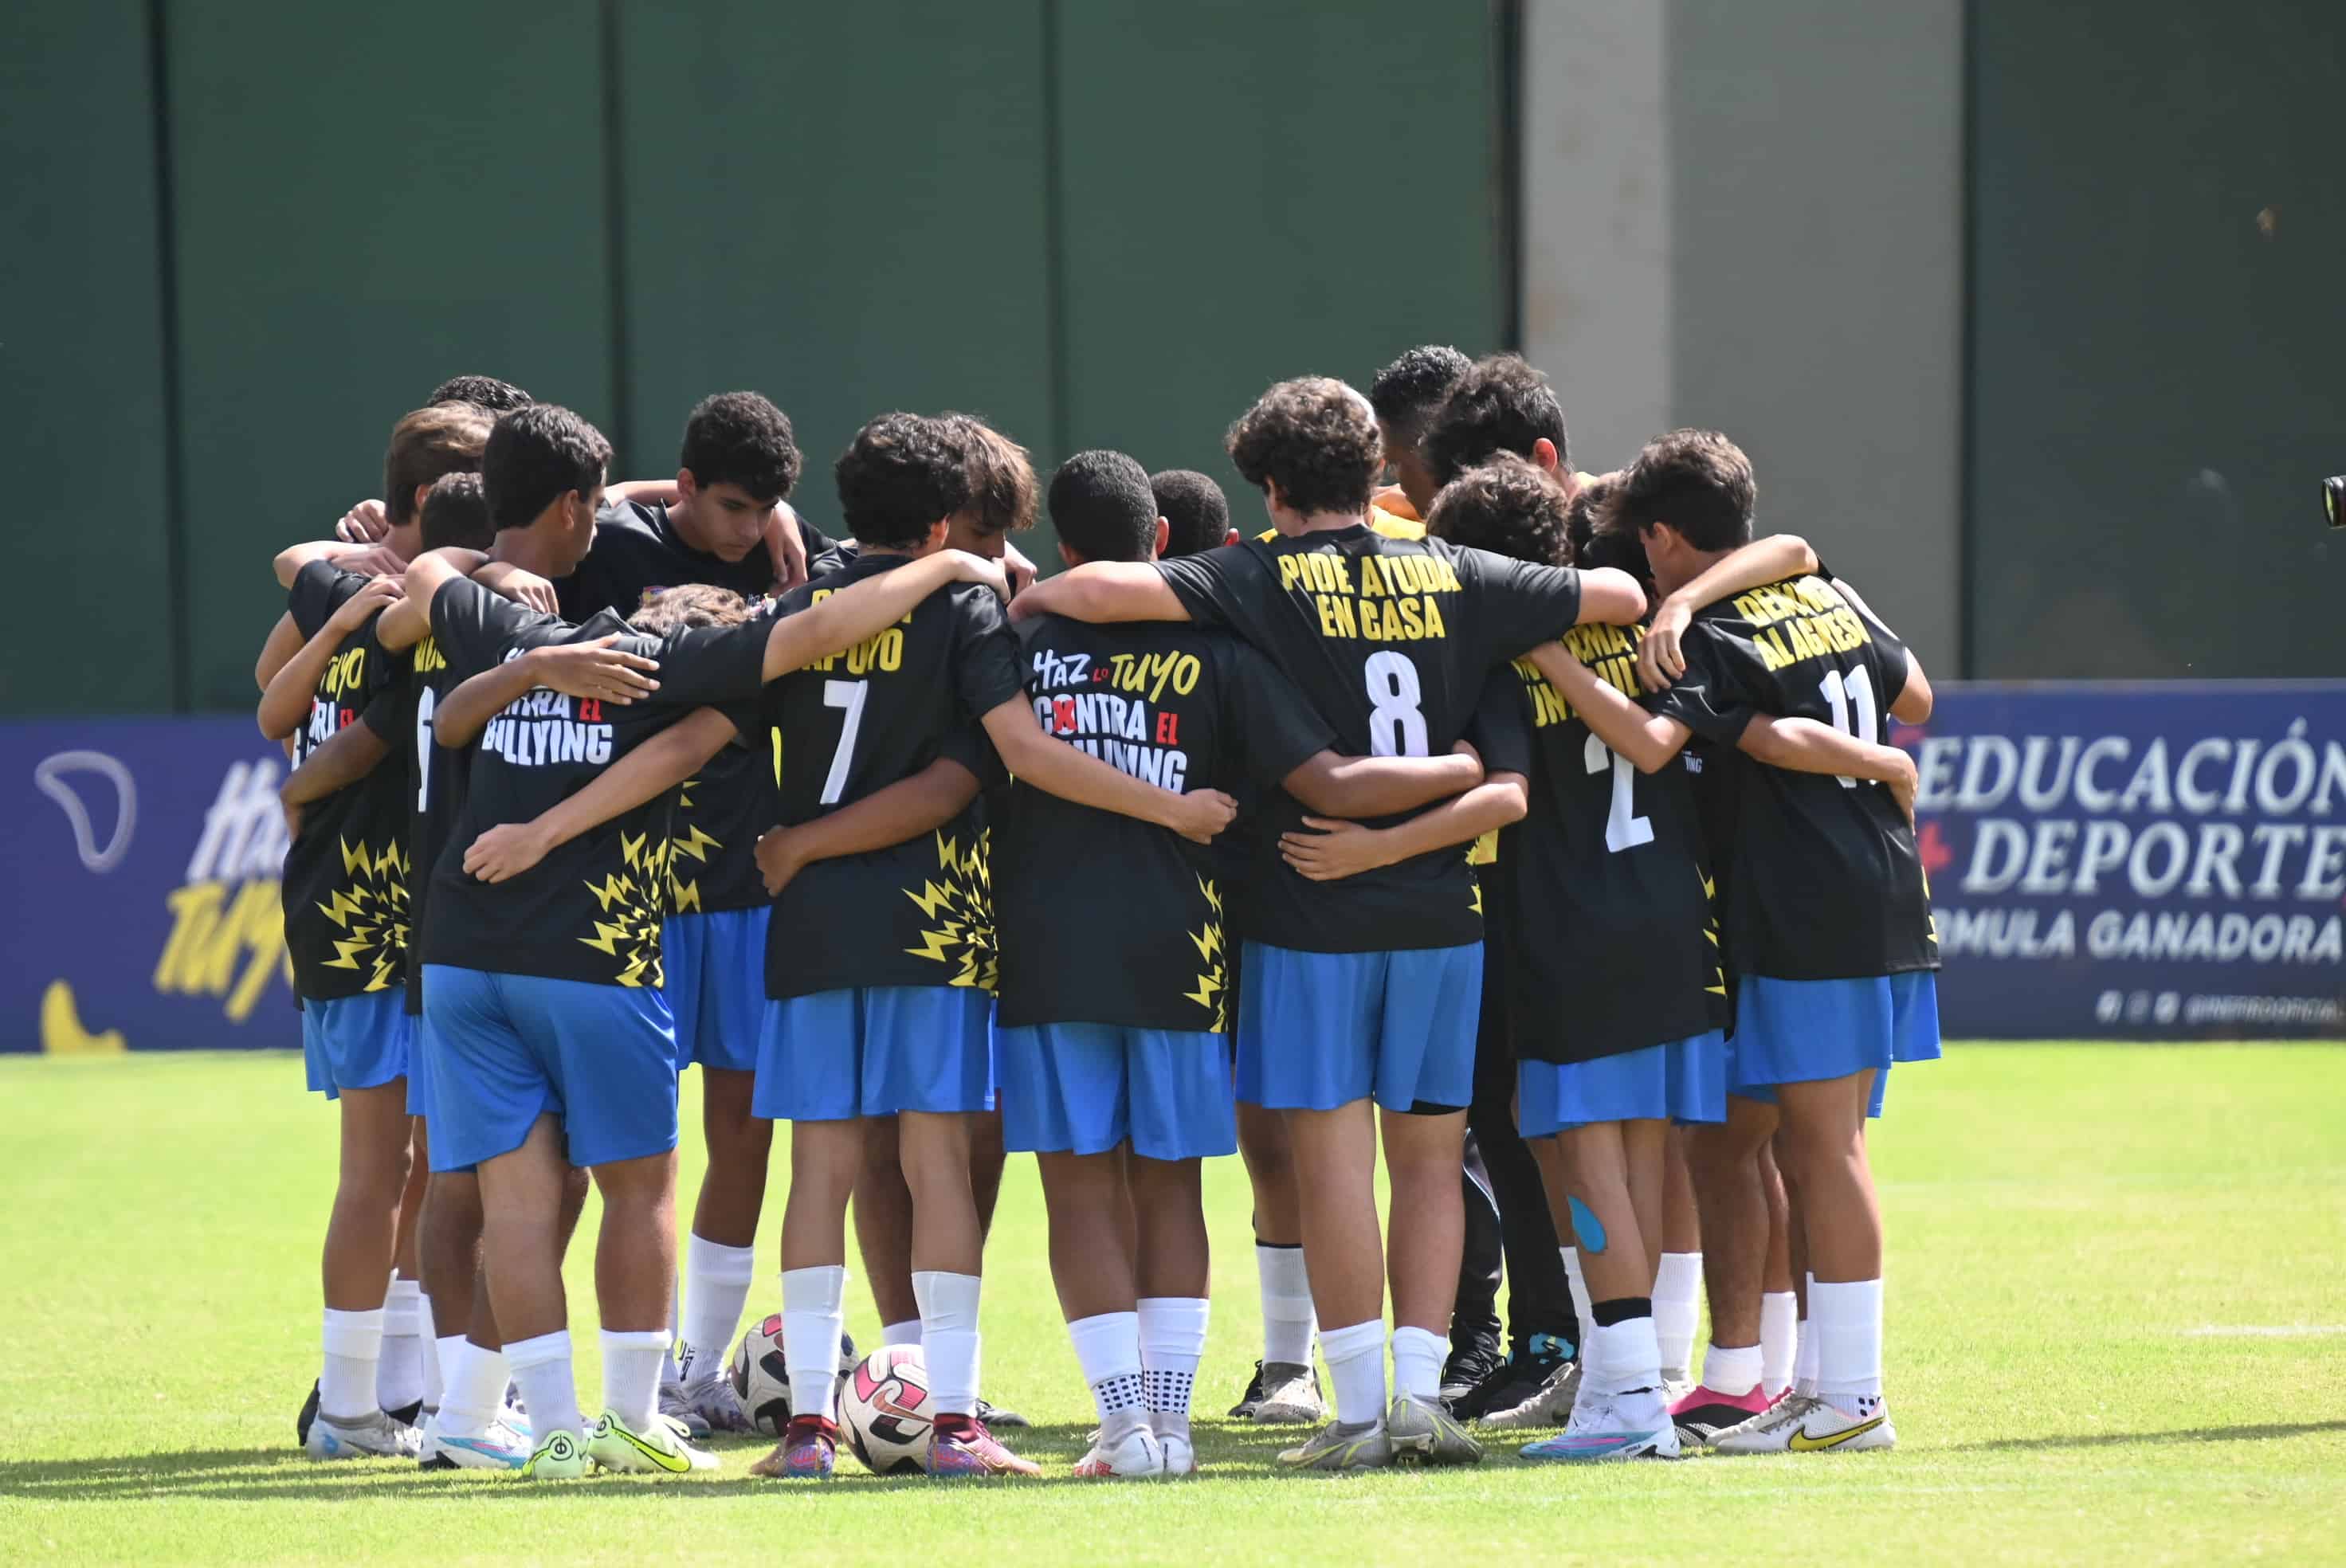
column 2163, row 861
column 141, row 858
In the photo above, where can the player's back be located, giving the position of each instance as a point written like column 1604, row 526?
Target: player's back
column 853, row 723
column 1391, row 641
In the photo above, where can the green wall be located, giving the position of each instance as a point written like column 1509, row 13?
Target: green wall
column 1094, row 221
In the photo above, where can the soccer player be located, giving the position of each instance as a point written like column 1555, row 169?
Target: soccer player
column 1196, row 513
column 552, row 1039
column 1407, row 394
column 1828, row 923
column 1368, row 992
column 1110, row 1042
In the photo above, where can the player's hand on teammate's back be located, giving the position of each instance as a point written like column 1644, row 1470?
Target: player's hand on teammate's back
column 510, row 582
column 787, row 546
column 593, row 670
column 1660, row 660
column 978, row 569
column 352, row 613
column 381, row 561
column 1338, row 850
column 1203, row 813
column 777, row 862
column 364, row 523
column 505, row 851
column 1017, row 568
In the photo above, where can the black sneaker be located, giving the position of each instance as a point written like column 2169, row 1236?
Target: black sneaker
column 1526, row 1372
column 1468, row 1364
column 1242, row 1411
column 309, row 1413
column 992, row 1415
column 1477, row 1398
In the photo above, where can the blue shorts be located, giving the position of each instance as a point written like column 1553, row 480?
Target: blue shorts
column 873, row 1051
column 1084, row 1088
column 716, row 969
column 1802, row 1030
column 360, row 1041
column 1683, row 1081
column 509, row 1048
column 1319, row 1029
column 419, row 1070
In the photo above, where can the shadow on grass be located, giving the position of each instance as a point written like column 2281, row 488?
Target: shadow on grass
column 2120, row 1439
column 1230, row 1454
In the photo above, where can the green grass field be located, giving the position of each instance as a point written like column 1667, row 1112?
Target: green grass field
column 2094, row 1251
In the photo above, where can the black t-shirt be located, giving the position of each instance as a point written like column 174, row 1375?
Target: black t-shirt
column 346, row 871
column 591, row 910
column 1105, row 919
column 1604, row 894
column 638, row 550
column 436, row 774
column 1389, row 640
column 712, row 862
column 919, row 913
column 1825, row 883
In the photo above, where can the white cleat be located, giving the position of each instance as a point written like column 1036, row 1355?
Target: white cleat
column 1291, row 1397
column 712, row 1401
column 371, row 1436
column 1632, row 1425
column 1550, row 1407
column 1806, row 1424
column 1180, row 1456
column 675, row 1408
column 501, row 1447
column 1136, row 1456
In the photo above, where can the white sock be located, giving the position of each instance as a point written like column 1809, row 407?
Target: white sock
column 949, row 1336
column 1848, row 1318
column 631, row 1374
column 434, row 1385
column 1779, row 1338
column 1678, row 1292
column 1288, row 1319
column 1356, row 1365
column 1108, row 1349
column 905, row 1333
column 354, row 1343
column 815, row 1309
column 716, row 1287
column 1623, row 1355
column 1730, row 1369
column 1417, row 1357
column 669, row 1372
column 399, row 1370
column 1172, row 1343
column 1804, row 1358
column 474, row 1387
column 542, row 1367
column 1579, row 1286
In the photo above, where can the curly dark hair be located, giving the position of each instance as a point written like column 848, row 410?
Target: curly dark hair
column 1314, row 437
column 739, row 438
column 482, row 392
column 1411, row 390
column 446, row 438
column 1586, row 513
column 1508, row 507
column 1196, row 513
column 1003, row 490
column 1103, row 507
column 685, row 609
column 1698, row 482
column 536, row 455
column 901, row 475
column 1502, row 404
column 456, row 512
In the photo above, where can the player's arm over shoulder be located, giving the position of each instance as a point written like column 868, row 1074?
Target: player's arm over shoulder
column 1100, row 592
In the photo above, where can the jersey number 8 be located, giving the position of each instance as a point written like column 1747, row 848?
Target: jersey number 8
column 1396, row 725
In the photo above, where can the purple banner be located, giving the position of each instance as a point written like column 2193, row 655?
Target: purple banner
column 2142, row 861
column 140, row 860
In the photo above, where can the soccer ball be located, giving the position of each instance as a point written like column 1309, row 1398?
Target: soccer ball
column 887, row 1411
column 762, row 1379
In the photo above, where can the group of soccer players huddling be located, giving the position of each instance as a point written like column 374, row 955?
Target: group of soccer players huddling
column 1508, row 795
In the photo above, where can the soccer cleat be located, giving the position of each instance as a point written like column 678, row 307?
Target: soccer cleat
column 561, row 1456
column 676, row 1407
column 1242, row 1411
column 655, row 1451
column 1547, row 1405
column 1422, row 1432
column 992, row 1415
column 714, row 1402
column 1332, row 1447
column 1468, row 1366
column 1136, row 1456
column 1291, row 1397
column 372, row 1436
column 410, row 1414
column 809, row 1451
column 310, row 1413
column 1632, row 1425
column 1518, row 1380
column 499, row 1448
column 1703, row 1413
column 1803, row 1423
column 964, row 1448
column 1181, row 1454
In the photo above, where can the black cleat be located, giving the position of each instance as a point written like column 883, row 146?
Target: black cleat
column 309, row 1413
column 1469, row 1364
column 407, row 1415
column 992, row 1415
column 1477, row 1398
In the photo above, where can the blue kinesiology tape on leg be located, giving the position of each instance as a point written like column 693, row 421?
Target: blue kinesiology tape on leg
column 1587, row 1227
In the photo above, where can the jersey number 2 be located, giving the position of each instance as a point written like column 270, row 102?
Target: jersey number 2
column 1624, row 829
column 848, row 695
column 1396, row 725
column 1850, row 697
